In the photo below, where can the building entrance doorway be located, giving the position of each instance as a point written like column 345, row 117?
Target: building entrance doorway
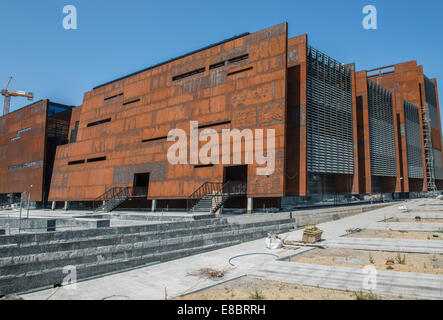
column 235, row 173
column 141, row 185
column 237, row 176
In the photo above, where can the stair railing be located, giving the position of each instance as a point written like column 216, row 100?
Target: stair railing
column 112, row 195
column 228, row 189
column 204, row 189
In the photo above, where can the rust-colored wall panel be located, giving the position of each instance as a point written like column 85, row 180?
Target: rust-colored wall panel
column 29, row 147
column 296, row 140
column 406, row 81
column 250, row 93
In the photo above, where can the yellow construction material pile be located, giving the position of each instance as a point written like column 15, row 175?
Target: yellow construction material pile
column 312, row 234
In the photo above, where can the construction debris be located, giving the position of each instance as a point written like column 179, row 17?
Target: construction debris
column 209, row 273
column 390, row 262
column 354, row 230
column 312, row 234
column 403, row 208
column 273, row 242
column 303, row 244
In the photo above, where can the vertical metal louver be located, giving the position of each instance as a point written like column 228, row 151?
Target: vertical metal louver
column 438, row 165
column 381, row 131
column 74, row 132
column 329, row 111
column 414, row 146
column 431, row 99
column 431, row 103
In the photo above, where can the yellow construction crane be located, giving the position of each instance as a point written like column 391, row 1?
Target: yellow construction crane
column 13, row 93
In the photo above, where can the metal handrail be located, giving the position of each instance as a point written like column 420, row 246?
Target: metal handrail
column 112, row 194
column 216, row 188
column 204, row 189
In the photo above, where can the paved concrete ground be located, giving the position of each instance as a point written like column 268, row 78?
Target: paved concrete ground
column 46, row 213
column 395, row 283
column 383, row 244
column 405, row 226
column 172, row 278
column 422, row 215
column 78, row 219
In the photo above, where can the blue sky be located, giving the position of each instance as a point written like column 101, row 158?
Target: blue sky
column 115, row 38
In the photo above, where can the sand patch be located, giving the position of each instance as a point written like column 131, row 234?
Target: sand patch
column 247, row 288
column 405, row 262
column 417, row 235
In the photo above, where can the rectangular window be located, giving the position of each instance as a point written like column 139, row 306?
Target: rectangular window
column 214, row 124
column 155, row 139
column 92, row 124
column 97, row 159
column 22, row 131
column 131, row 101
column 217, row 65
column 380, row 71
column 21, row 166
column 29, row 164
column 238, row 59
column 239, row 71
column 203, row 166
column 114, row 96
column 74, row 132
column 233, row 60
column 188, row 74
column 72, row 163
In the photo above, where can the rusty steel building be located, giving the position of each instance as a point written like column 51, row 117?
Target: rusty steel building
column 337, row 131
column 28, row 141
column 417, row 125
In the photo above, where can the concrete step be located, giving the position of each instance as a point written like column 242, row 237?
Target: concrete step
column 113, row 239
column 47, row 237
column 50, row 277
column 18, row 264
column 46, row 268
column 406, row 284
column 121, row 238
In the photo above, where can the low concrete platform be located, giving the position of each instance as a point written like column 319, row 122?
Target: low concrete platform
column 173, row 278
column 405, row 226
column 393, row 245
column 404, row 284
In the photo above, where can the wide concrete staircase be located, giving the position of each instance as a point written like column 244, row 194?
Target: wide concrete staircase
column 204, row 205
column 210, row 203
column 111, row 199
column 211, row 196
column 36, row 261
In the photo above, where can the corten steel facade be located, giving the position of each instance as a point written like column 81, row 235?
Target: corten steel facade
column 28, row 141
column 412, row 91
column 322, row 156
column 123, row 125
column 337, row 131
column 378, row 139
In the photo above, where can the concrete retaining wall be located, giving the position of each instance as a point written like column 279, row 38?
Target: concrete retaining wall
column 36, row 261
column 31, row 261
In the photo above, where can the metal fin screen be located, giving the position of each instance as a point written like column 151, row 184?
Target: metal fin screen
column 438, row 165
column 414, row 147
column 431, row 100
column 381, row 131
column 329, row 112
